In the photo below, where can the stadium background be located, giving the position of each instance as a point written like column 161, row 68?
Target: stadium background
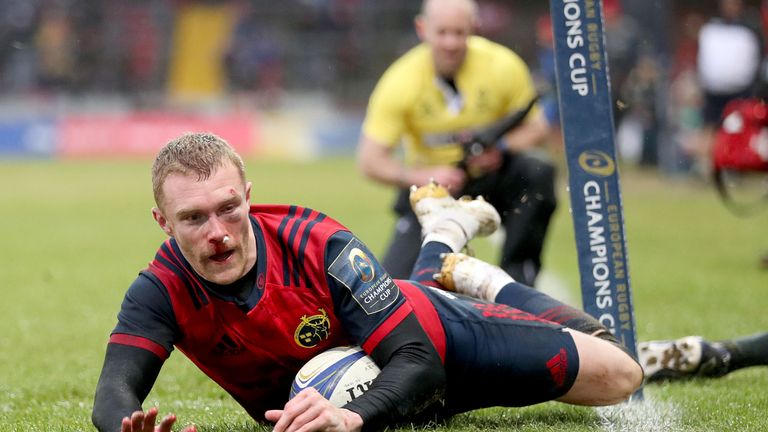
column 288, row 78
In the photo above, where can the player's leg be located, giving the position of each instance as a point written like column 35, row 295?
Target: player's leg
column 476, row 278
column 447, row 225
column 501, row 356
column 451, row 221
column 693, row 356
column 747, row 351
column 404, row 246
column 599, row 350
column 607, row 374
column 526, row 193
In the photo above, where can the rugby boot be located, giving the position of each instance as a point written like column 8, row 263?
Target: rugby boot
column 448, row 220
column 472, row 277
column 687, row 357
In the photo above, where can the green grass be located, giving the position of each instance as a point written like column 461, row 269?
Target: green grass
column 74, row 235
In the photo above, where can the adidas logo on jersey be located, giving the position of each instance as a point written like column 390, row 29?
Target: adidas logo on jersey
column 227, row 346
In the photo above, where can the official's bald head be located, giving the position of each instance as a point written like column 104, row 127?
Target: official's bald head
column 431, row 6
column 445, row 25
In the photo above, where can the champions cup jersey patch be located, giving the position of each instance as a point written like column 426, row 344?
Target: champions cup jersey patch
column 371, row 286
column 362, row 265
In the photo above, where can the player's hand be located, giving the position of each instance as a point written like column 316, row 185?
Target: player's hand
column 141, row 421
column 488, row 161
column 450, row 177
column 309, row 411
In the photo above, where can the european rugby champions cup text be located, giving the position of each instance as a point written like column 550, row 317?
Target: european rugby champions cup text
column 587, row 124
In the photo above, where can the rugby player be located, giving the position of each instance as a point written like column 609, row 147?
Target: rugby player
column 249, row 293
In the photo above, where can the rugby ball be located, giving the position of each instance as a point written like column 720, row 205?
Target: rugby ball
column 340, row 374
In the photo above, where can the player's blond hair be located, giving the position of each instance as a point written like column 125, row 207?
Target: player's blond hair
column 198, row 154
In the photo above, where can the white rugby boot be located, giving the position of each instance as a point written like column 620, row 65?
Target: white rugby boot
column 682, row 358
column 451, row 221
column 472, row 277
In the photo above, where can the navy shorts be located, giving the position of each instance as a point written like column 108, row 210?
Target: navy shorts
column 497, row 355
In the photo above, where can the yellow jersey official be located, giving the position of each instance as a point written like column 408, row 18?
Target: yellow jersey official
column 444, row 90
column 413, row 102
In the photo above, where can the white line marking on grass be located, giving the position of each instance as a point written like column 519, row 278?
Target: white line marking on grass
column 642, row 416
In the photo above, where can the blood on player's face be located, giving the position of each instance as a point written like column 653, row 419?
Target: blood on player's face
column 200, row 213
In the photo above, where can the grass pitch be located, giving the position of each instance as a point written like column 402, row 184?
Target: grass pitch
column 74, row 235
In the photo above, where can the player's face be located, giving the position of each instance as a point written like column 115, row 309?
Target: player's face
column 199, row 214
column 445, row 30
column 731, row 9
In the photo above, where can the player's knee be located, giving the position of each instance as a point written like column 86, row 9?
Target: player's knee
column 607, row 374
column 627, row 377
column 622, row 377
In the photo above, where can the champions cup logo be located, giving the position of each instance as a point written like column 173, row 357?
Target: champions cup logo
column 597, row 163
column 361, row 264
column 313, row 330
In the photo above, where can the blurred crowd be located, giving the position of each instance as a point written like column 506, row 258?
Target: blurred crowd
column 136, row 47
column 82, row 45
column 150, row 52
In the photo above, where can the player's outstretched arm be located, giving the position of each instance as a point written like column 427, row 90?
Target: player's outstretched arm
column 126, row 379
column 312, row 412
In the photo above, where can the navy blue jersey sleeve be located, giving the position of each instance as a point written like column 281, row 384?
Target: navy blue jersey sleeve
column 412, row 377
column 363, row 293
column 147, row 312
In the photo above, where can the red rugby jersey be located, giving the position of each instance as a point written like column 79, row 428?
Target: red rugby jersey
column 254, row 353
